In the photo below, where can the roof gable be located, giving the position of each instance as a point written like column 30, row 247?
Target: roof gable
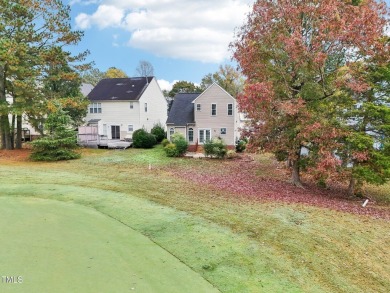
column 214, row 85
column 120, row 89
column 182, row 110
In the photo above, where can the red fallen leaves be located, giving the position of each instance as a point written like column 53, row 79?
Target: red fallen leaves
column 239, row 179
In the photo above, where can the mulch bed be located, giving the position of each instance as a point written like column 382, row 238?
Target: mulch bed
column 15, row 155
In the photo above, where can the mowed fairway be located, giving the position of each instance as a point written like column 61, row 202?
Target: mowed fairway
column 80, row 217
column 64, row 247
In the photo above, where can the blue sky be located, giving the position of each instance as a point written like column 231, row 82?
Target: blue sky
column 182, row 39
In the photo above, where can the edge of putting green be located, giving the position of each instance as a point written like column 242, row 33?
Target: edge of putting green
column 57, row 246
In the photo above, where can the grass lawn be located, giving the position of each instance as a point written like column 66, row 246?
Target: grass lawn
column 237, row 243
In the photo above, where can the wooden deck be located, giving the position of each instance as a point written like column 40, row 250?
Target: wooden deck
column 105, row 143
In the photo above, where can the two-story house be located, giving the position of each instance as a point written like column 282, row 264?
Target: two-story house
column 202, row 116
column 119, row 106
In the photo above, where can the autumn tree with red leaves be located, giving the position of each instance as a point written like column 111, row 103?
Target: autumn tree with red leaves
column 300, row 60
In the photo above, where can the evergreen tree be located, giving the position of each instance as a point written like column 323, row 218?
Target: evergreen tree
column 59, row 141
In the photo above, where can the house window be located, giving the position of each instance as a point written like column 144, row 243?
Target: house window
column 191, row 135
column 130, row 128
column 95, row 108
column 204, row 135
column 223, row 130
column 198, row 107
column 230, row 109
column 213, row 109
column 131, row 105
column 171, row 131
column 146, row 107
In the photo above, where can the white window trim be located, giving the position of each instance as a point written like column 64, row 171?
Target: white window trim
column 132, row 127
column 171, row 132
column 205, row 138
column 131, row 105
column 228, row 109
column 146, row 107
column 215, row 109
column 94, row 108
column 199, row 109
column 192, row 129
column 220, row 131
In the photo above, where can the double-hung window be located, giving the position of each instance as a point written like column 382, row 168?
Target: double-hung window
column 213, row 109
column 230, row 109
column 95, row 108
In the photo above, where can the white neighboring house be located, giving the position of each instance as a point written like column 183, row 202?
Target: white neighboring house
column 29, row 132
column 119, row 106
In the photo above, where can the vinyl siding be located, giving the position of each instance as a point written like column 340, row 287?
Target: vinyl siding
column 119, row 112
column 205, row 120
column 157, row 106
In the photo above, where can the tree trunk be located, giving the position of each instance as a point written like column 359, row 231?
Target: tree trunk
column 351, row 187
column 4, row 122
column 18, row 143
column 12, row 131
column 5, row 133
column 355, row 187
column 296, row 178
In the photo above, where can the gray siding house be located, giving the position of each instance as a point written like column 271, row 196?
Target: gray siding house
column 203, row 116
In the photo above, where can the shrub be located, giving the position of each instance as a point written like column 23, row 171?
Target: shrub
column 171, row 150
column 159, row 132
column 143, row 139
column 231, row 154
column 180, row 142
column 165, row 142
column 215, row 148
column 241, row 145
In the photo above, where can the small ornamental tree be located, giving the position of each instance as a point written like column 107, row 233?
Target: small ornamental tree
column 59, row 141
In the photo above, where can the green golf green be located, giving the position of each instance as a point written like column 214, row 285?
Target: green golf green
column 51, row 246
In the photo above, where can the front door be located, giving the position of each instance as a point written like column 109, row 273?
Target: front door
column 115, row 132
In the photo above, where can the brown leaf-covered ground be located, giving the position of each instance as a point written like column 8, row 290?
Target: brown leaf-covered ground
column 254, row 178
column 265, row 179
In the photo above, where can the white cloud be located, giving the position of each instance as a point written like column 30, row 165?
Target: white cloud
column 166, row 85
column 83, row 2
column 105, row 16
column 185, row 29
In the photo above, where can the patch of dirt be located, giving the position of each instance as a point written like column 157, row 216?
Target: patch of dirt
column 257, row 180
column 14, row 155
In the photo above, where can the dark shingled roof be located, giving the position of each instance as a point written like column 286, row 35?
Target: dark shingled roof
column 182, row 110
column 119, row 89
